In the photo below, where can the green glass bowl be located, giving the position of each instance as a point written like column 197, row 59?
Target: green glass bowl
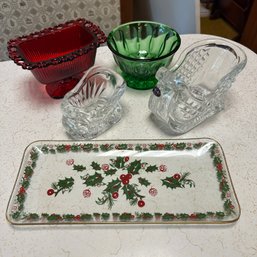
column 140, row 48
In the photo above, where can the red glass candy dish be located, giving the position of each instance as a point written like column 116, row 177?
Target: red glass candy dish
column 57, row 56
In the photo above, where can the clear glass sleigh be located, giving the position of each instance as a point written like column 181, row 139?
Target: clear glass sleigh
column 92, row 106
column 193, row 89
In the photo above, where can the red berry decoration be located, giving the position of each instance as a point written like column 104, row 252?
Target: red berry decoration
column 77, row 217
column 86, row 193
column 115, row 195
column 122, row 176
column 126, row 159
column 193, row 216
column 67, row 147
column 153, row 191
column 163, row 168
column 70, row 162
column 141, row 203
column 50, row 191
column 105, row 167
column 125, row 181
column 177, row 176
column 129, row 176
column 219, row 167
column 22, row 190
column 160, row 146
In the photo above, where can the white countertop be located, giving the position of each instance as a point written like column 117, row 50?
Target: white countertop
column 28, row 114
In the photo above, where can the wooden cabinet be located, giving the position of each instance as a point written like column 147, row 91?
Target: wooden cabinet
column 126, row 10
column 235, row 12
column 241, row 14
column 249, row 35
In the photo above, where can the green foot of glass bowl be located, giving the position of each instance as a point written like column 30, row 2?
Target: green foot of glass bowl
column 140, row 49
column 139, row 83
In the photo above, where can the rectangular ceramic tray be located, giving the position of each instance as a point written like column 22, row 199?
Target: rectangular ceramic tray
column 148, row 181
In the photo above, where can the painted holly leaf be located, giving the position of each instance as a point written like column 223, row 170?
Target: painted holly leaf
column 153, row 147
column 224, row 188
column 107, row 198
column 105, row 216
column 87, row 147
column 106, row 147
column 66, row 183
column 44, row 149
column 33, row 165
column 25, row 183
column 134, row 167
column 170, row 182
column 151, row 168
column 34, row 155
column 95, row 166
column 126, row 216
column 61, row 148
column 178, row 181
column 121, row 146
column 113, row 186
column 63, row 185
column 93, row 180
column 197, row 145
column 138, row 148
column 180, row 146
column 110, row 172
column 16, row 215
column 133, row 201
column 216, row 160
column 20, row 198
column 75, row 148
column 228, row 207
column 144, row 182
column 28, row 171
column 131, row 192
column 219, row 176
column 79, row 168
column 119, row 162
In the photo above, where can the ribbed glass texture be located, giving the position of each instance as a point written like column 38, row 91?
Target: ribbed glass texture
column 194, row 88
column 57, row 56
column 140, row 49
column 93, row 105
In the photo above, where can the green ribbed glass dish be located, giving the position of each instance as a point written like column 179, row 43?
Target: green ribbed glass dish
column 140, row 48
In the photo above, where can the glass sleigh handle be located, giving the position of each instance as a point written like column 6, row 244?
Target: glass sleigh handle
column 193, row 89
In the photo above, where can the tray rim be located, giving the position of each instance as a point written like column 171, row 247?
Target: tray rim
column 145, row 222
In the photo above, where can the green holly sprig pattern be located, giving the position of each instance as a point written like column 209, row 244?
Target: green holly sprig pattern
column 121, row 184
column 178, row 180
column 63, row 185
column 66, row 184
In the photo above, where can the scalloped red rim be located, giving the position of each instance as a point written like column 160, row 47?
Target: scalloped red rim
column 15, row 54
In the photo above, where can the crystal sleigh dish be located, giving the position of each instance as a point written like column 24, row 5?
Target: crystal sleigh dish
column 93, row 105
column 140, row 48
column 56, row 56
column 132, row 181
column 194, row 88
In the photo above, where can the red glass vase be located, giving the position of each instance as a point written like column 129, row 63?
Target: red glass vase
column 57, row 56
